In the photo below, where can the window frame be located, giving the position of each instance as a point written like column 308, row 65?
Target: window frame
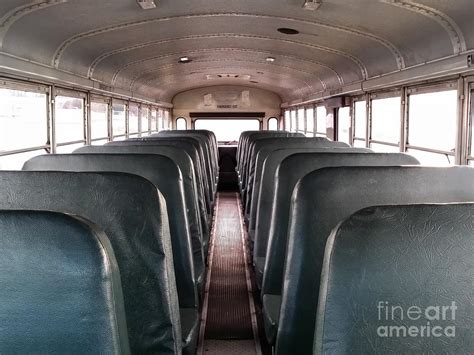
column 378, row 96
column 319, row 133
column 355, row 138
column 125, row 105
column 72, row 94
column 268, row 123
column 428, row 89
column 100, row 100
column 36, row 89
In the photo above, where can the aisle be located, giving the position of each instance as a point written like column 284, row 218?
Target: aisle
column 229, row 324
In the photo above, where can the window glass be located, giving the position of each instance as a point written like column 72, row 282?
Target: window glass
column 287, row 120
column 159, row 120
column 432, row 120
column 310, row 120
column 166, row 120
column 358, row 143
column 118, row 119
column 99, row 127
column 16, row 161
column 344, row 125
column 69, row 119
column 23, row 120
column 301, row 120
column 360, row 118
column 154, row 121
column 100, row 142
column 181, row 123
column 383, row 148
column 132, row 119
column 293, row 120
column 321, row 121
column 228, row 130
column 428, row 158
column 145, row 121
column 273, row 124
column 386, row 119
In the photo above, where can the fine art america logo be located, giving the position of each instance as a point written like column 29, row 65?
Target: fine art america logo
column 431, row 321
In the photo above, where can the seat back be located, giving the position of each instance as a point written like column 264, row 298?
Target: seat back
column 394, row 273
column 132, row 213
column 267, row 162
column 290, row 171
column 161, row 171
column 263, row 146
column 208, row 135
column 266, row 192
column 204, row 142
column 251, row 138
column 189, row 147
column 61, row 290
column 198, row 144
column 253, row 146
column 195, row 199
column 325, row 197
column 242, row 141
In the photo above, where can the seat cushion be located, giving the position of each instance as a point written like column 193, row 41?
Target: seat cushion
column 271, row 315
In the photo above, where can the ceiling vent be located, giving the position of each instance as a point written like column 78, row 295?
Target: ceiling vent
column 312, row 5
column 147, row 4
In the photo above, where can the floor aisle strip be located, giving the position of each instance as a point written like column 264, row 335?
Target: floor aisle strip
column 228, row 319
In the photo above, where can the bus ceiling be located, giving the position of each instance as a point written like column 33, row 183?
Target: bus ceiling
column 300, row 50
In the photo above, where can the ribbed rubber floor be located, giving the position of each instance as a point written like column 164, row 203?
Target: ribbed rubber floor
column 228, row 313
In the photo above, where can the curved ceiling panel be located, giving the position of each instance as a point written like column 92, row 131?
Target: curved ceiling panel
column 120, row 45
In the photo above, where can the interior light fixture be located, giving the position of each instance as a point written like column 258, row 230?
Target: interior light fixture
column 185, row 60
column 147, row 4
column 312, row 5
column 270, row 59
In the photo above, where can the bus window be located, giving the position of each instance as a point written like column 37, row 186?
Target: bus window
column 99, row 125
column 133, row 120
column 159, row 120
column 272, row 124
column 310, row 122
column 360, row 123
column 321, row 121
column 69, row 119
column 432, row 126
column 301, row 121
column 294, row 121
column 227, row 130
column 145, row 121
column 118, row 120
column 471, row 153
column 287, row 120
column 23, row 126
column 386, row 116
column 181, row 123
column 344, row 125
column 153, row 120
column 166, row 120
